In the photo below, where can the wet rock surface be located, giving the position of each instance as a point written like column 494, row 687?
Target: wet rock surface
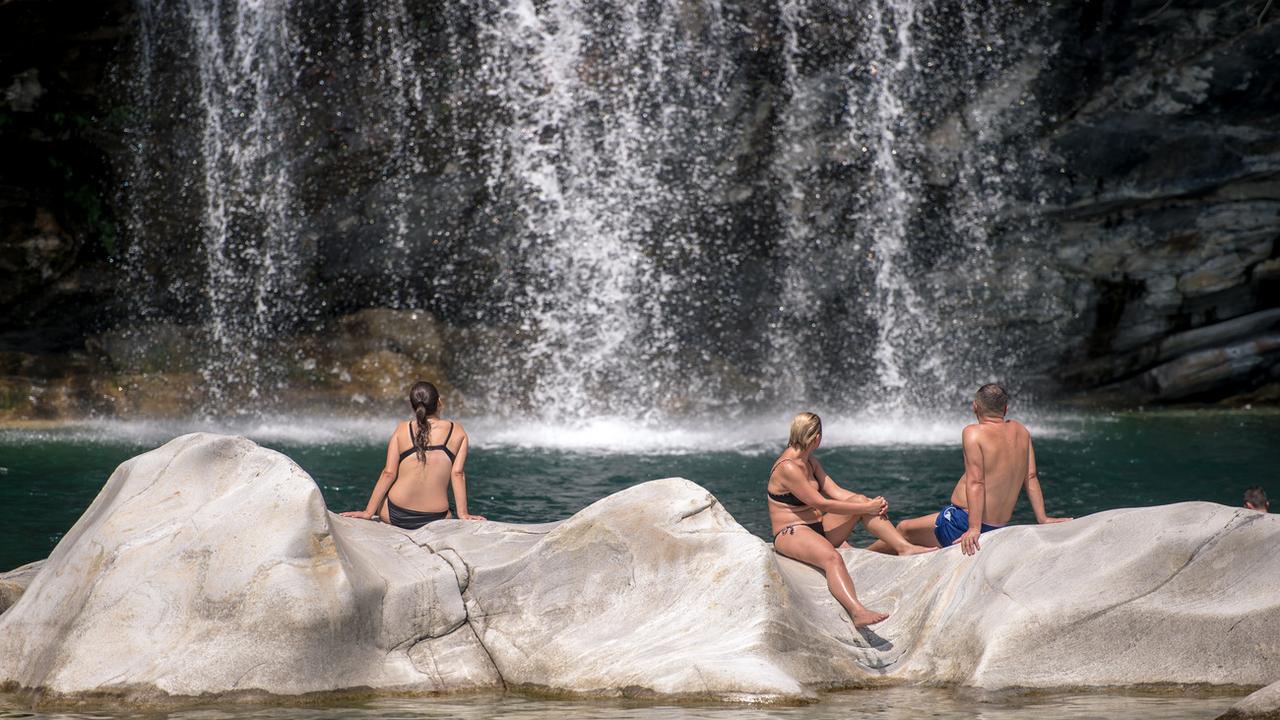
column 211, row 567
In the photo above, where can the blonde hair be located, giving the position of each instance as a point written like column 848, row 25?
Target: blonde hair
column 805, row 430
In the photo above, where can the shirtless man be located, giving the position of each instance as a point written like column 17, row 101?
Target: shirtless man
column 998, row 462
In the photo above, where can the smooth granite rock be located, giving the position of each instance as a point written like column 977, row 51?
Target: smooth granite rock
column 210, row 567
column 1261, row 705
column 15, row 582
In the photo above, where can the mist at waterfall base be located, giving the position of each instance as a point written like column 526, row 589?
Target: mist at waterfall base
column 628, row 210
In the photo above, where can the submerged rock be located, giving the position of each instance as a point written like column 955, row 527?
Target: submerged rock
column 1261, row 705
column 15, row 582
column 211, row 567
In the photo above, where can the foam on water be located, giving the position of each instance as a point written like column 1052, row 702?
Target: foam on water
column 597, row 435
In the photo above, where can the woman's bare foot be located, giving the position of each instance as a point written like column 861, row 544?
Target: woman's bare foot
column 863, row 617
column 916, row 550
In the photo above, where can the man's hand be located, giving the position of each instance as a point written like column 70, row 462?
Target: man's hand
column 361, row 514
column 1052, row 520
column 969, row 541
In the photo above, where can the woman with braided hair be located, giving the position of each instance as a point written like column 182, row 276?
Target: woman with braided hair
column 425, row 456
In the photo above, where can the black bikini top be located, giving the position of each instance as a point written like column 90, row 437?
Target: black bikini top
column 444, row 446
column 790, row 498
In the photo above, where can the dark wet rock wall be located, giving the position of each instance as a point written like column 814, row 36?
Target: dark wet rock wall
column 1131, row 256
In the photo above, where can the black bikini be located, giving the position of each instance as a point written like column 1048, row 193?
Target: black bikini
column 414, row 519
column 793, row 501
column 411, row 519
column 442, row 446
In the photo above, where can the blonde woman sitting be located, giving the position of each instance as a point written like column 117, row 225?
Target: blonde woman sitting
column 812, row 516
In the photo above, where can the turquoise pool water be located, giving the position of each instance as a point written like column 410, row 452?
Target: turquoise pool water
column 517, row 473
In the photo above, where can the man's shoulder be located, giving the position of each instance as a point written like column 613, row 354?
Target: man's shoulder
column 1019, row 427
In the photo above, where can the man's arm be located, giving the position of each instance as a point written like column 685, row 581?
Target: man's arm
column 975, row 489
column 1034, row 495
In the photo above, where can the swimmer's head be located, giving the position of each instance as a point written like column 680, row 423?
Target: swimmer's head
column 806, row 431
column 425, row 399
column 991, row 400
column 1255, row 498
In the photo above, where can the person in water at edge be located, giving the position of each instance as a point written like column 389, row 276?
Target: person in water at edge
column 1255, row 498
column 812, row 516
column 998, row 462
column 424, row 457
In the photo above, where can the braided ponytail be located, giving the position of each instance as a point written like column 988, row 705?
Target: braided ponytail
column 425, row 399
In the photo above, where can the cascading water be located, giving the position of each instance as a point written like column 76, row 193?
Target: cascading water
column 599, row 102
column 649, row 208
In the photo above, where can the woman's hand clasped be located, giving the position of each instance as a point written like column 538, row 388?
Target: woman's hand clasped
column 877, row 506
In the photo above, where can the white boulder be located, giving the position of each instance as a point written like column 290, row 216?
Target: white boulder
column 210, row 566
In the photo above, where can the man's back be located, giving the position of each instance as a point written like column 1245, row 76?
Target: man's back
column 1002, row 451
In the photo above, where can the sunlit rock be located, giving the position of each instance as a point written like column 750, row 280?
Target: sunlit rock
column 210, row 566
column 15, row 582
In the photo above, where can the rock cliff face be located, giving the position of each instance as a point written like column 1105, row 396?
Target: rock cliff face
column 211, row 567
column 1120, row 162
column 1165, row 210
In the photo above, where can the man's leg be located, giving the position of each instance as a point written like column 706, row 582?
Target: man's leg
column 919, row 531
column 891, row 539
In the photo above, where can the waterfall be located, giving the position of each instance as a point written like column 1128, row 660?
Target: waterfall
column 648, row 208
column 394, row 59
column 249, row 236
column 599, row 100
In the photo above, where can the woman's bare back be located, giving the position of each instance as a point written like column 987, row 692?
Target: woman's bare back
column 423, row 485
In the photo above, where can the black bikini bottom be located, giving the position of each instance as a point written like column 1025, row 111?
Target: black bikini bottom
column 412, row 519
column 816, row 527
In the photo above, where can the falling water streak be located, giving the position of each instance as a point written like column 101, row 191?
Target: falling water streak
column 139, row 173
column 796, row 299
column 897, row 303
column 243, row 181
column 207, row 31
column 396, row 53
column 581, row 187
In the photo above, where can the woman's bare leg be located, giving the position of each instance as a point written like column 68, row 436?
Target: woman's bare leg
column 384, row 514
column 837, row 527
column 803, row 544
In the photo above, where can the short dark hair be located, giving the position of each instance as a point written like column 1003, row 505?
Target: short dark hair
column 1257, row 497
column 992, row 399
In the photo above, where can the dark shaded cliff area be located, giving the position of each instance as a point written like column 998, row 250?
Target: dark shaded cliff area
column 1155, row 154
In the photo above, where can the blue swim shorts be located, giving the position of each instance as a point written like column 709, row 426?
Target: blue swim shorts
column 953, row 522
